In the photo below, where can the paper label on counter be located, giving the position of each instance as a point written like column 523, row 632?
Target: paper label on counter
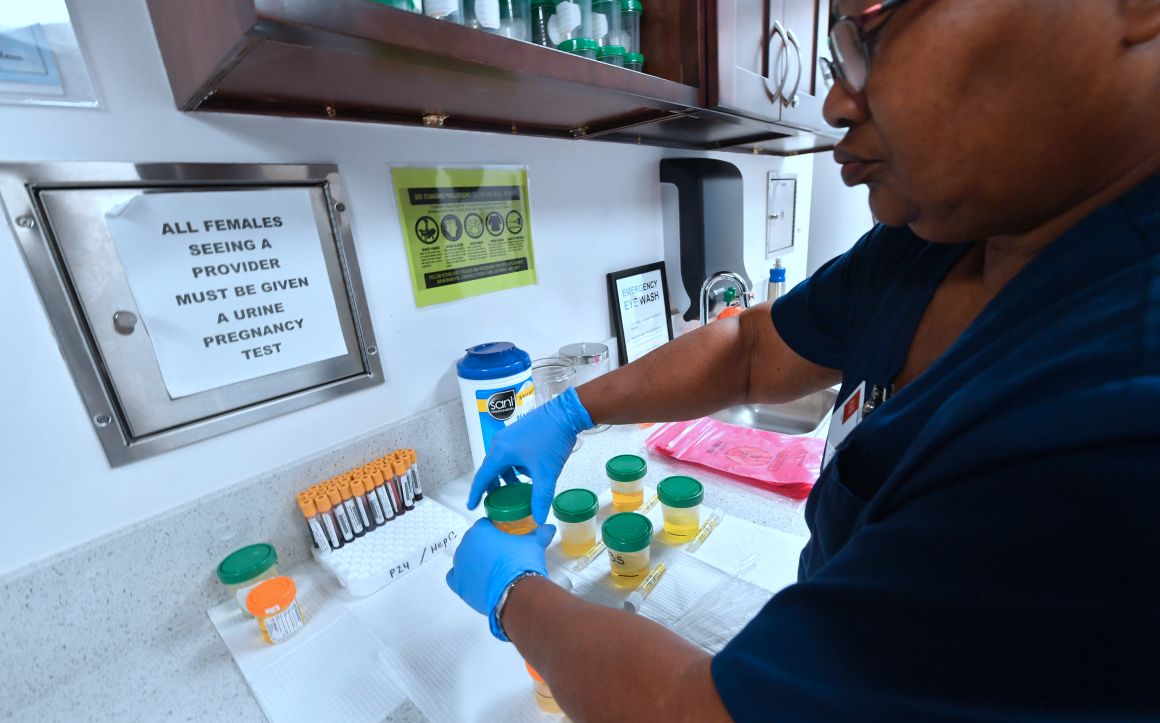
column 487, row 13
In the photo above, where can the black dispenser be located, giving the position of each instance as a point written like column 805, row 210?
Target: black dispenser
column 712, row 226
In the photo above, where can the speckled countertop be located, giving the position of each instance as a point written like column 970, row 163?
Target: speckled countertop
column 186, row 673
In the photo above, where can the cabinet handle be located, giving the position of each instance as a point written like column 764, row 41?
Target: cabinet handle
column 792, row 99
column 778, row 29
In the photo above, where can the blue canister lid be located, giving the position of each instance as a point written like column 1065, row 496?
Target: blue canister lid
column 493, row 360
column 777, row 274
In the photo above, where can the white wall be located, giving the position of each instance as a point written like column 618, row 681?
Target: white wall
column 58, row 489
column 839, row 215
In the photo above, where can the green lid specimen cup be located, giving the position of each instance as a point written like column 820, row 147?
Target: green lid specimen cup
column 627, row 532
column 508, row 503
column 680, row 492
column 247, row 563
column 625, row 468
column 578, row 505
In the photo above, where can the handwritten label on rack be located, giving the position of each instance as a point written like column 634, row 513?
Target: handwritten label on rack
column 230, row 285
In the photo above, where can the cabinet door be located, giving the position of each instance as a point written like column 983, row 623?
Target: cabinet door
column 806, row 24
column 749, row 65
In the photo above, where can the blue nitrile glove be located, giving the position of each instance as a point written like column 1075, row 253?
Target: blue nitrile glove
column 488, row 559
column 536, row 446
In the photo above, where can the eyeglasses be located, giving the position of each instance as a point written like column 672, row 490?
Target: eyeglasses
column 850, row 45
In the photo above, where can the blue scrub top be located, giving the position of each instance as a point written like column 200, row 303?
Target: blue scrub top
column 986, row 543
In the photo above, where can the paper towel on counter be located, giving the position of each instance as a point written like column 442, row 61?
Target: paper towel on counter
column 447, row 662
column 330, row 670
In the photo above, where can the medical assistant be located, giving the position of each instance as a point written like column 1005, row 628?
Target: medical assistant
column 986, row 542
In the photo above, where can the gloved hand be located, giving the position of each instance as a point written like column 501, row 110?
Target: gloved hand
column 536, row 446
column 488, row 559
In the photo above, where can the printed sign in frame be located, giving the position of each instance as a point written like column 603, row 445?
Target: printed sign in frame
column 638, row 300
column 467, row 231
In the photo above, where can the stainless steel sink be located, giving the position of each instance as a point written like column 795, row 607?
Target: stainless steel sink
column 797, row 417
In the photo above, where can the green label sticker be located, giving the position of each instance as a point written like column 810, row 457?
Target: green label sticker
column 466, row 230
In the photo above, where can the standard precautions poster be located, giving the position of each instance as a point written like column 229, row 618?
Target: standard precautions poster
column 466, row 230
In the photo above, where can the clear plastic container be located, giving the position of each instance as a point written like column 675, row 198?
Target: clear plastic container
column 570, row 28
column 606, row 29
column 545, row 701
column 542, row 13
column 576, row 512
column 611, row 54
column 630, row 12
column 449, row 10
column 634, row 61
column 244, row 568
column 508, row 18
column 681, row 499
column 509, row 507
column 628, row 536
column 274, row 603
column 626, row 476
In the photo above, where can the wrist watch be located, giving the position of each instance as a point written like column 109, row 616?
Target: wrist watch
column 503, row 598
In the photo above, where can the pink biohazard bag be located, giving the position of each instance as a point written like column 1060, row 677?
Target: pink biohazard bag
column 785, row 464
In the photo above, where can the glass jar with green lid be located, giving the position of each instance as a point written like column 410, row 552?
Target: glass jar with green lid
column 571, row 27
column 575, row 510
column 681, row 499
column 606, row 23
column 634, row 61
column 542, row 13
column 628, row 536
column 509, row 507
column 245, row 567
column 626, row 476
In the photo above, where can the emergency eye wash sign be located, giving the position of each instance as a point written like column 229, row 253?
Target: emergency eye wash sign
column 467, row 230
column 230, row 285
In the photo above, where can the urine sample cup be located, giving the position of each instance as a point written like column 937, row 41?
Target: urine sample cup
column 545, row 701
column 634, row 61
column 508, row 18
column 450, row 10
column 626, row 475
column 628, row 536
column 576, row 512
column 274, row 603
column 681, row 499
column 606, row 28
column 611, row 54
column 630, row 12
column 244, row 568
column 542, row 13
column 509, row 507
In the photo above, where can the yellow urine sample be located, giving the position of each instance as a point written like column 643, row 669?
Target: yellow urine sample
column 522, row 526
column 577, row 538
column 628, row 568
column 682, row 521
column 627, row 501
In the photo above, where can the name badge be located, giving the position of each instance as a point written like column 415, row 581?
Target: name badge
column 847, row 416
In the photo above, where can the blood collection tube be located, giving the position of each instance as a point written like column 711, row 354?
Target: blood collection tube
column 400, row 467
column 359, row 490
column 356, row 523
column 325, row 513
column 344, row 526
column 310, row 512
column 373, row 505
column 414, row 457
column 382, row 493
column 395, row 487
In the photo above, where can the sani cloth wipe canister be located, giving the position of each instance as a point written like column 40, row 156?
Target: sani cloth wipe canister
column 495, row 384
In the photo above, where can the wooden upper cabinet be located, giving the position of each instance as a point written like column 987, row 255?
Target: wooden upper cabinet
column 358, row 60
